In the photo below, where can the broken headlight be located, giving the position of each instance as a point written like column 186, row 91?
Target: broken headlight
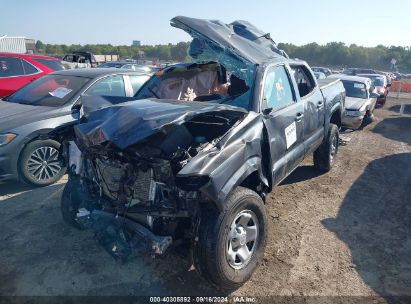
column 191, row 183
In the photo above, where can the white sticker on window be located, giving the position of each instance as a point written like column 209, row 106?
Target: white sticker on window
column 359, row 85
column 291, row 134
column 60, row 92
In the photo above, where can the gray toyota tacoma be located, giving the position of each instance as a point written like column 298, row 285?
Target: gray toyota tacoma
column 191, row 157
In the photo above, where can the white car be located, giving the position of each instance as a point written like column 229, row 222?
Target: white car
column 360, row 100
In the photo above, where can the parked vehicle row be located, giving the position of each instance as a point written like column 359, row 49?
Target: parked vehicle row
column 131, row 66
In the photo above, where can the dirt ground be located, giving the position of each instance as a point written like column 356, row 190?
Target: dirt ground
column 345, row 233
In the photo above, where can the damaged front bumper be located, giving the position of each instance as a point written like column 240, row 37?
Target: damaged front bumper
column 122, row 237
column 353, row 120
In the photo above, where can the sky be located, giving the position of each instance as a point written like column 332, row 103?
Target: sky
column 119, row 22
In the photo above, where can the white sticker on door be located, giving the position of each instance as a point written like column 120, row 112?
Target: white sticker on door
column 291, row 134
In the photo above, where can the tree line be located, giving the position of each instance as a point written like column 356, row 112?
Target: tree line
column 333, row 54
column 167, row 52
column 337, row 54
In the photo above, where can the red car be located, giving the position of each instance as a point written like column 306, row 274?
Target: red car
column 17, row 70
column 381, row 84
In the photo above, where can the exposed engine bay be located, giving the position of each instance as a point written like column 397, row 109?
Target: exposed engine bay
column 139, row 185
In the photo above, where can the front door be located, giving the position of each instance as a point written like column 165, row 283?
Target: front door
column 284, row 120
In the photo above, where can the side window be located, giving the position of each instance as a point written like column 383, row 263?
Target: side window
column 68, row 58
column 277, row 89
column 28, row 68
column 108, row 86
column 305, row 81
column 137, row 81
column 10, row 66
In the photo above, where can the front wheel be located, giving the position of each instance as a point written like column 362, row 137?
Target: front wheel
column 41, row 164
column 324, row 156
column 231, row 242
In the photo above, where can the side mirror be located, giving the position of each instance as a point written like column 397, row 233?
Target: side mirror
column 267, row 111
column 76, row 106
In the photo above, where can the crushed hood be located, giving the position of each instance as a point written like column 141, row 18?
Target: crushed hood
column 127, row 124
column 352, row 103
column 240, row 38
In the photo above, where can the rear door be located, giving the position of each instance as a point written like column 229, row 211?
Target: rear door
column 314, row 106
column 283, row 117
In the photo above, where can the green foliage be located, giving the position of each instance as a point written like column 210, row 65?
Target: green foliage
column 337, row 54
column 174, row 52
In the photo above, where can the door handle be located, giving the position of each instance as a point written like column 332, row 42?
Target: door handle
column 320, row 105
column 299, row 116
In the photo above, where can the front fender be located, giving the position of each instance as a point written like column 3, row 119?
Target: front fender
column 249, row 167
column 216, row 171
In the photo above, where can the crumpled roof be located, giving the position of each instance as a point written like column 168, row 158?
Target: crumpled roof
column 240, row 37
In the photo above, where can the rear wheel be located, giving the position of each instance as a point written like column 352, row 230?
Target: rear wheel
column 41, row 164
column 231, row 242
column 324, row 156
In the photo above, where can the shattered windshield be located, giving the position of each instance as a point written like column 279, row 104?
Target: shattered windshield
column 198, row 82
column 215, row 75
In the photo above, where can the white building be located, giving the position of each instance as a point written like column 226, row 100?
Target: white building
column 9, row 44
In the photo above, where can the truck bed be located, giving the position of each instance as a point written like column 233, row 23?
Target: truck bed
column 324, row 83
column 332, row 90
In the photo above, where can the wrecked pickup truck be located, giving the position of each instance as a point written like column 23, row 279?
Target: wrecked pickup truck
column 191, row 159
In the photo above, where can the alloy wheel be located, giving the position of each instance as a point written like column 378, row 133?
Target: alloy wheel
column 44, row 164
column 242, row 239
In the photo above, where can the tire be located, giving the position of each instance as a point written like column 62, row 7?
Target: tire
column 40, row 163
column 324, row 156
column 368, row 118
column 216, row 234
column 70, row 202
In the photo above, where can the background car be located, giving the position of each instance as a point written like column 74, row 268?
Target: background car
column 80, row 59
column 17, row 70
column 381, row 86
column 360, row 100
column 28, row 149
column 355, row 71
column 130, row 66
column 326, row 71
column 319, row 75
